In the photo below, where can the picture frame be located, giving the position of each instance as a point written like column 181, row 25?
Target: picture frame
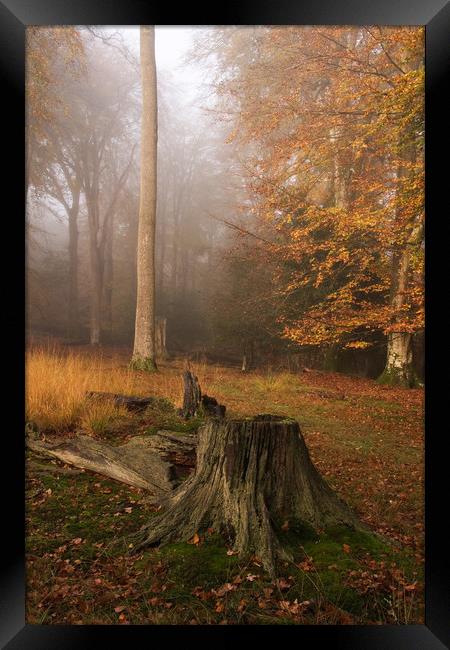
column 15, row 15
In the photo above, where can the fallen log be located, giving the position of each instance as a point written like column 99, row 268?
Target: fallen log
column 144, row 461
column 156, row 463
column 130, row 402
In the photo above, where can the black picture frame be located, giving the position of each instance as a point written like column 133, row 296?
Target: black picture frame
column 15, row 15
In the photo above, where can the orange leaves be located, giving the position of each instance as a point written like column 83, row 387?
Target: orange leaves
column 195, row 540
column 335, row 174
column 224, row 589
column 294, row 607
column 359, row 345
column 306, row 565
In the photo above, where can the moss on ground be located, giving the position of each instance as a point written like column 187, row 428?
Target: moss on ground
column 367, row 446
column 78, row 529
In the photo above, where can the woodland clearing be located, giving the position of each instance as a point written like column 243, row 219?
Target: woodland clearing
column 365, row 439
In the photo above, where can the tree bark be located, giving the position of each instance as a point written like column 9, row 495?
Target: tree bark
column 147, row 462
column 73, row 309
column 108, row 279
column 144, row 353
column 130, row 402
column 96, row 292
column 399, row 362
column 194, row 403
column 252, row 476
column 160, row 338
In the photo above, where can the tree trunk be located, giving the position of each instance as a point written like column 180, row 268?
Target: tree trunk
column 174, row 269
column 108, row 279
column 253, row 479
column 130, row 402
column 73, row 328
column 96, row 295
column 160, row 338
column 148, row 462
column 144, row 353
column 399, row 369
column 194, row 403
column 162, row 253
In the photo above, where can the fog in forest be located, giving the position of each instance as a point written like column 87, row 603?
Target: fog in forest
column 231, row 280
column 196, row 189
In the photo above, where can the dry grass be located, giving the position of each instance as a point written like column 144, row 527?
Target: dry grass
column 270, row 381
column 57, row 382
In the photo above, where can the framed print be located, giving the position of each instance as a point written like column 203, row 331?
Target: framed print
column 234, row 345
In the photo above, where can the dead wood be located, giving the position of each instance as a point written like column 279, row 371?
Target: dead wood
column 146, row 462
column 252, row 476
column 130, row 402
column 194, row 403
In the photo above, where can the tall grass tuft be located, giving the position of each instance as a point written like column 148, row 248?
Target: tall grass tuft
column 56, row 386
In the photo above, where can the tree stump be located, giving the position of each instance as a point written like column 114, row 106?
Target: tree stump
column 194, row 402
column 252, row 476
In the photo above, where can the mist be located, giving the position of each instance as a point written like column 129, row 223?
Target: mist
column 195, row 191
column 243, row 153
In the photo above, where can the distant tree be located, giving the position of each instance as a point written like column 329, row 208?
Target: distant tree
column 55, row 58
column 106, row 161
column 144, row 352
column 47, row 49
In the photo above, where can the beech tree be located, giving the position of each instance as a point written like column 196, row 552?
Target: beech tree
column 144, row 352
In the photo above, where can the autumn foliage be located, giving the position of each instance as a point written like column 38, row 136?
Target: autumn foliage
column 330, row 124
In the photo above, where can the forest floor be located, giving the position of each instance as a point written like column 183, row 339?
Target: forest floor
column 366, row 440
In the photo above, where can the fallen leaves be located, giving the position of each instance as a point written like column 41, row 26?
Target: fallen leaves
column 306, row 565
column 224, row 589
column 294, row 607
column 282, row 584
column 195, row 540
column 251, row 577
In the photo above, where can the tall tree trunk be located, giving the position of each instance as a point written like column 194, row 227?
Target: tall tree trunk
column 175, row 248
column 73, row 328
column 184, row 273
column 144, row 353
column 399, row 361
column 96, row 261
column 108, row 279
column 96, row 295
column 162, row 256
column 160, row 338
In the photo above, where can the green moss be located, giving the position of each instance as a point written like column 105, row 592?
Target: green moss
column 146, row 364
column 206, row 564
column 174, row 423
column 396, row 377
column 76, row 508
